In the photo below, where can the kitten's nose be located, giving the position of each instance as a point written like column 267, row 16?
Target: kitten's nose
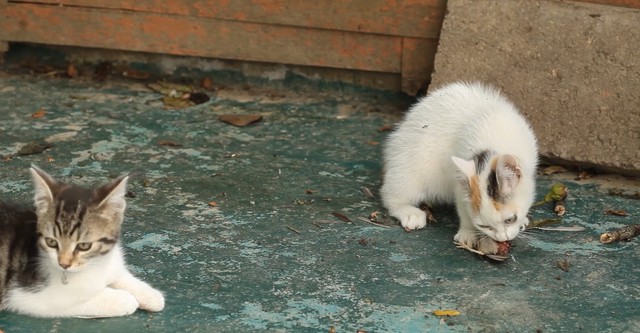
column 64, row 265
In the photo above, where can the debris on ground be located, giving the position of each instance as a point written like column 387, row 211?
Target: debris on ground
column 342, row 217
column 553, row 169
column 206, row 84
column 446, row 313
column 557, row 194
column 101, row 71
column 169, row 144
column 582, row 175
column 133, row 73
column 33, row 148
column 72, row 72
column 240, row 120
column 178, row 96
column 563, row 265
column 543, row 222
column 618, row 212
column 624, row 233
column 39, row 114
column 367, row 192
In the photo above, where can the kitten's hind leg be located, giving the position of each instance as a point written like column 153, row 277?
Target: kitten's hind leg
column 149, row 298
column 411, row 217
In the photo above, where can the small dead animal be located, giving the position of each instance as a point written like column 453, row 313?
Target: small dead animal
column 501, row 255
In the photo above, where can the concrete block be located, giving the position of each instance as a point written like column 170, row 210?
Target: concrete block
column 572, row 68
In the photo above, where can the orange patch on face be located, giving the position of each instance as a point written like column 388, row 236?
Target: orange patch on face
column 496, row 204
column 474, row 193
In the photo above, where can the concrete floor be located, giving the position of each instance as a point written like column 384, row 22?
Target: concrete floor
column 270, row 256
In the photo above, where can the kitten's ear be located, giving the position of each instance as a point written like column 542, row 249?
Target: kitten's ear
column 112, row 195
column 45, row 187
column 468, row 168
column 508, row 174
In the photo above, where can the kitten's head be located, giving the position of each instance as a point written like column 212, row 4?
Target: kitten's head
column 76, row 224
column 498, row 193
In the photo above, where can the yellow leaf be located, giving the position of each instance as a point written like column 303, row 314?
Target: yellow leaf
column 449, row 313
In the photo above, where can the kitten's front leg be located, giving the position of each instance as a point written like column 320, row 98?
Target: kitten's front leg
column 108, row 303
column 150, row 299
column 410, row 217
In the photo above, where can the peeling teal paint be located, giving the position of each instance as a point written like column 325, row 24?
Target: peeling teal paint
column 270, row 256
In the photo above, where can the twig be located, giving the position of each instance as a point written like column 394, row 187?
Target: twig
column 573, row 228
column 624, row 233
column 374, row 223
column 293, row 229
column 540, row 223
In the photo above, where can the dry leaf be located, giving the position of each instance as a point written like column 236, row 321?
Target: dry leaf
column 135, row 74
column 341, row 217
column 102, row 71
column 310, row 191
column 240, row 120
column 385, row 128
column 213, row 204
column 563, row 265
column 550, row 170
column 169, row 143
column 448, row 313
column 206, row 83
column 39, row 114
column 176, row 102
column 616, row 212
column 373, row 143
column 583, row 175
column 33, row 148
column 367, row 192
column 72, row 72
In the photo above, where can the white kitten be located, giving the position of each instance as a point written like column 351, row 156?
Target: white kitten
column 70, row 263
column 465, row 144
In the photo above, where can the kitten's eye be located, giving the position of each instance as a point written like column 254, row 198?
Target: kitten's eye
column 482, row 226
column 52, row 243
column 83, row 246
column 512, row 219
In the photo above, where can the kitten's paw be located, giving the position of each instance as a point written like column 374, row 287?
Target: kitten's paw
column 118, row 303
column 411, row 218
column 150, row 299
column 468, row 238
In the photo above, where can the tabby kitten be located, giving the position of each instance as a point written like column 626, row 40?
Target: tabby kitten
column 65, row 260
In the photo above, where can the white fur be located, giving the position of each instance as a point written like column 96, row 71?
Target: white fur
column 101, row 288
column 433, row 147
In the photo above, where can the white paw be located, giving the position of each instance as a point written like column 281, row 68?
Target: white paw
column 411, row 218
column 119, row 303
column 150, row 299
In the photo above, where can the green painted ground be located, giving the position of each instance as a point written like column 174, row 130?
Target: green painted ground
column 271, row 256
